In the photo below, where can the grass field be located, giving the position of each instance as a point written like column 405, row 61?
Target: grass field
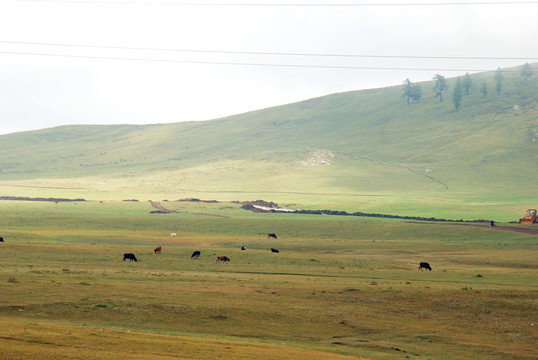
column 341, row 287
column 354, row 151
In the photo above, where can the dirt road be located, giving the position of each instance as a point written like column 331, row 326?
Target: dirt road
column 526, row 229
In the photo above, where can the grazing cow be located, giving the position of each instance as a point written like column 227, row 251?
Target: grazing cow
column 173, row 235
column 271, row 236
column 274, row 250
column 424, row 265
column 129, row 256
column 158, row 250
column 222, row 258
column 492, row 223
column 1, row 239
column 195, row 255
column 243, row 248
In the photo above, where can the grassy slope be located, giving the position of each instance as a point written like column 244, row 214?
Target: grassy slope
column 423, row 159
column 339, row 286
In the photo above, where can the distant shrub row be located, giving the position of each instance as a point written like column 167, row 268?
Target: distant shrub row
column 19, row 198
column 386, row 216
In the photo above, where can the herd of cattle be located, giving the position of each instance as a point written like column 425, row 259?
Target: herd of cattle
column 196, row 254
column 222, row 258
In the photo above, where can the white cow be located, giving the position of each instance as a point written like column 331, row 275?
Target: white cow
column 173, row 235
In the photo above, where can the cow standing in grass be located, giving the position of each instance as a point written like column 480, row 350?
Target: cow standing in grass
column 269, row 236
column 195, row 255
column 158, row 250
column 130, row 257
column 424, row 265
column 222, row 258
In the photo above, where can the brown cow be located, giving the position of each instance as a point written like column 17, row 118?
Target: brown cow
column 158, row 250
column 222, row 258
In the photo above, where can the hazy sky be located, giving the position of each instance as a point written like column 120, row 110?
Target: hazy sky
column 142, row 61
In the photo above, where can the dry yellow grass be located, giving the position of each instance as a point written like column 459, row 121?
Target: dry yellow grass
column 339, row 287
column 23, row 340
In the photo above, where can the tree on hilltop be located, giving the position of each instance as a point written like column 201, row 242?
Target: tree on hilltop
column 456, row 94
column 440, row 86
column 411, row 91
column 484, row 89
column 416, row 92
column 407, row 89
column 498, row 80
column 467, row 83
column 526, row 73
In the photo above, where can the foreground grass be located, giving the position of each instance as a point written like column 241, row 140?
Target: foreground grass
column 340, row 286
column 30, row 340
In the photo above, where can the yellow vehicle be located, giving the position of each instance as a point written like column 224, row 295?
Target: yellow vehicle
column 530, row 217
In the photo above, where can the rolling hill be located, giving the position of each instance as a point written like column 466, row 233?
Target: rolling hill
column 358, row 151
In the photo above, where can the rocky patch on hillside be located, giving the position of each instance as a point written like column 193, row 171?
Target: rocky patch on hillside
column 317, row 157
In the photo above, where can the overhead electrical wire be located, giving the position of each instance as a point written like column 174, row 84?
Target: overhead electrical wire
column 286, row 5
column 245, row 63
column 446, row 3
column 269, row 53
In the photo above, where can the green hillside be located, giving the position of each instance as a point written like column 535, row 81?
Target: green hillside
column 359, row 151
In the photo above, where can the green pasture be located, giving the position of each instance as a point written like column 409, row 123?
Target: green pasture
column 295, row 193
column 354, row 151
column 341, row 287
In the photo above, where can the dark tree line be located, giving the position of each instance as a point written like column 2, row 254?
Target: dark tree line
column 412, row 91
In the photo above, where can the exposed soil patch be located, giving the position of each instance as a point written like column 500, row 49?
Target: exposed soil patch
column 198, row 200
column 160, row 208
column 259, row 206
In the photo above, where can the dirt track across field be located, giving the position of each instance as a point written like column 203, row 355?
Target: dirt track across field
column 526, row 229
column 157, row 205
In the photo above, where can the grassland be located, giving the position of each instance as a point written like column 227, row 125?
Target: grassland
column 355, row 151
column 341, row 287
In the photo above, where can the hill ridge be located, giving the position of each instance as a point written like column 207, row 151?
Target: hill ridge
column 355, row 142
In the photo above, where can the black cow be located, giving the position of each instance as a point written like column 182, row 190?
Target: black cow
column 424, row 265
column 129, row 256
column 271, row 236
column 195, row 255
column 492, row 223
column 1, row 239
column 274, row 250
column 243, row 248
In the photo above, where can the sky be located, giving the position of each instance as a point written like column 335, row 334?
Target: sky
column 65, row 62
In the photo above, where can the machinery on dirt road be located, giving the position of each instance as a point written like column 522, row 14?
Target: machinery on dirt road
column 530, row 217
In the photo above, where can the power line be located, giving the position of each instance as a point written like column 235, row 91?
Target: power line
column 286, row 5
column 246, row 64
column 270, row 53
